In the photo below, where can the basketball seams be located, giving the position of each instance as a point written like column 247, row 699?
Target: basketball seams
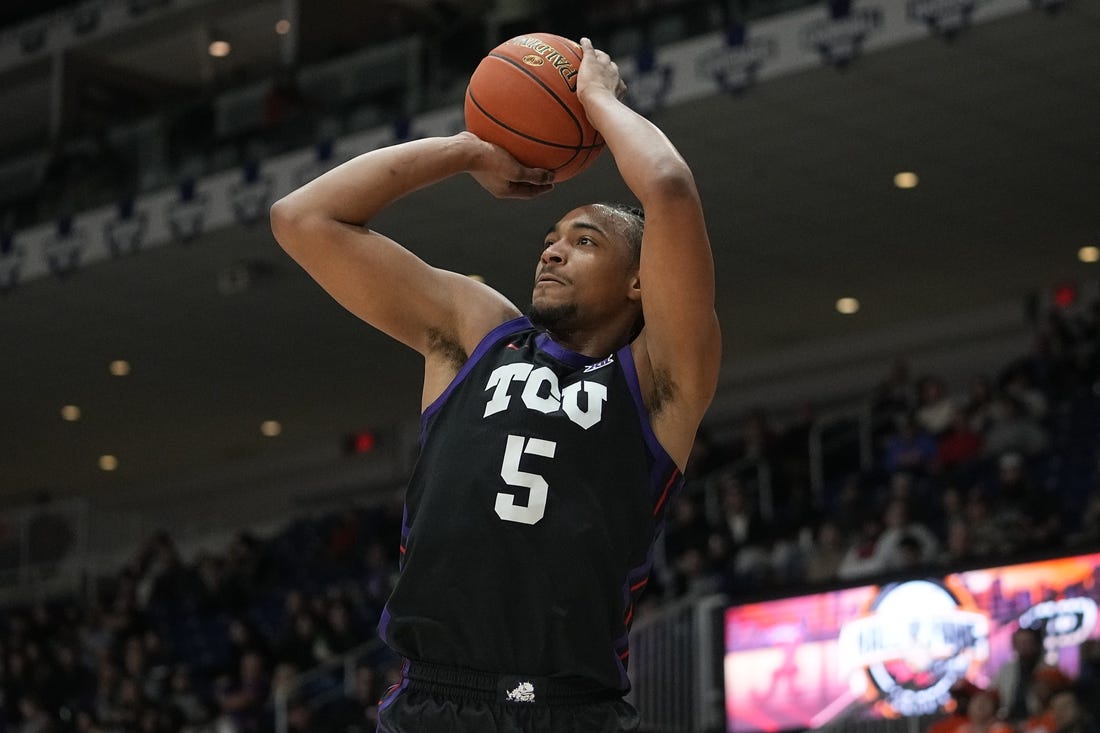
column 496, row 121
column 576, row 149
column 496, row 86
column 519, row 66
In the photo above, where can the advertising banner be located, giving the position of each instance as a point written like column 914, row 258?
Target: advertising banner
column 890, row 650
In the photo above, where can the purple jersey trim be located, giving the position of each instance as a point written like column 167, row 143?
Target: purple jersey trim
column 562, row 354
column 487, row 342
column 394, row 692
column 384, row 622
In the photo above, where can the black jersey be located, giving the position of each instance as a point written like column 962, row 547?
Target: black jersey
column 531, row 515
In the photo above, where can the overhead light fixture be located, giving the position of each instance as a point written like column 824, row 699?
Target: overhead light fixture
column 108, row 462
column 847, row 306
column 1089, row 254
column 271, row 428
column 119, row 367
column 906, row 179
column 282, row 27
column 219, row 49
column 70, row 413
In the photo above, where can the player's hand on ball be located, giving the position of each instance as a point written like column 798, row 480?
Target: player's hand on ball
column 597, row 72
column 505, row 177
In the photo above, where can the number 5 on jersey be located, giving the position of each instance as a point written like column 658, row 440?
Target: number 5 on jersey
column 506, row 506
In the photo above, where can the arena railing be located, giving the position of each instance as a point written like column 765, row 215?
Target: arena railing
column 676, row 667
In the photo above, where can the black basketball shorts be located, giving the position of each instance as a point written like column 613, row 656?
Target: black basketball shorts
column 433, row 699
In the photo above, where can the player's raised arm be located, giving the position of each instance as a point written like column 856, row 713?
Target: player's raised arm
column 681, row 334
column 324, row 226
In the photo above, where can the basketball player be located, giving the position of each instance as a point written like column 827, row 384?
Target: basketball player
column 550, row 442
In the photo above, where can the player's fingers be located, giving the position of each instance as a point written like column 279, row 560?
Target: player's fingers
column 534, row 176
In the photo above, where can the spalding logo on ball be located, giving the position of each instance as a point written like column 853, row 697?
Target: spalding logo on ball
column 523, row 97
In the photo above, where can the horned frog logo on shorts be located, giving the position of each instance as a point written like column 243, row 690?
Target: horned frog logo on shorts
column 524, row 692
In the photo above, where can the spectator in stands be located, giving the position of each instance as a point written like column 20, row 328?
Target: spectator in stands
column 1029, row 515
column 340, row 633
column 134, row 667
column 987, row 537
column 357, row 713
column 128, row 704
column 216, row 592
column 825, row 555
column 958, row 548
column 244, row 570
column 243, row 638
column 910, row 448
column 759, row 440
column 896, row 395
column 191, row 709
column 960, row 446
column 1018, row 385
column 1047, row 682
column 687, row 530
column 961, row 691
column 903, row 543
column 935, row 409
column 301, row 644
column 742, row 538
column 1070, row 715
column 1015, row 680
column 860, row 560
column 982, row 714
column 850, row 505
column 979, row 405
column 161, row 575
column 1014, row 431
column 242, row 700
column 378, row 575
column 71, row 683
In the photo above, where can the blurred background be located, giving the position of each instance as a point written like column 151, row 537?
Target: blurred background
column 203, row 455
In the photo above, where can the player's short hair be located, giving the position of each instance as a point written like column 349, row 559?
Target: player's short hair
column 635, row 221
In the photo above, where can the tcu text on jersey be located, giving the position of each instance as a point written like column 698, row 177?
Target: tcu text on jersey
column 542, row 393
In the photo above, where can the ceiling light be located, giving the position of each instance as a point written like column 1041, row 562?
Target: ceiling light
column 1088, row 254
column 476, row 278
column 108, row 462
column 219, row 49
column 119, row 367
column 847, row 306
column 282, row 27
column 271, row 428
column 70, row 413
column 906, row 179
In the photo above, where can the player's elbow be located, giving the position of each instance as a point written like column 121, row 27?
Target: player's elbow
column 669, row 180
column 289, row 222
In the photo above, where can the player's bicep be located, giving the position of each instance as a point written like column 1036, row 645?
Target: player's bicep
column 381, row 282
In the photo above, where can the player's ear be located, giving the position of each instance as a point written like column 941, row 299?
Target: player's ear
column 635, row 292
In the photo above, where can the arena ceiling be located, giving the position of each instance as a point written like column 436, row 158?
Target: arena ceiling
column 1002, row 126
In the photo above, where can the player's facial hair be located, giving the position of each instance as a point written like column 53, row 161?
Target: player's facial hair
column 552, row 318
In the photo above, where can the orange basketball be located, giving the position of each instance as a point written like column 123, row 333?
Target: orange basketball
column 523, row 97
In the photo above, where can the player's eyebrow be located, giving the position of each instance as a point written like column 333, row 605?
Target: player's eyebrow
column 587, row 225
